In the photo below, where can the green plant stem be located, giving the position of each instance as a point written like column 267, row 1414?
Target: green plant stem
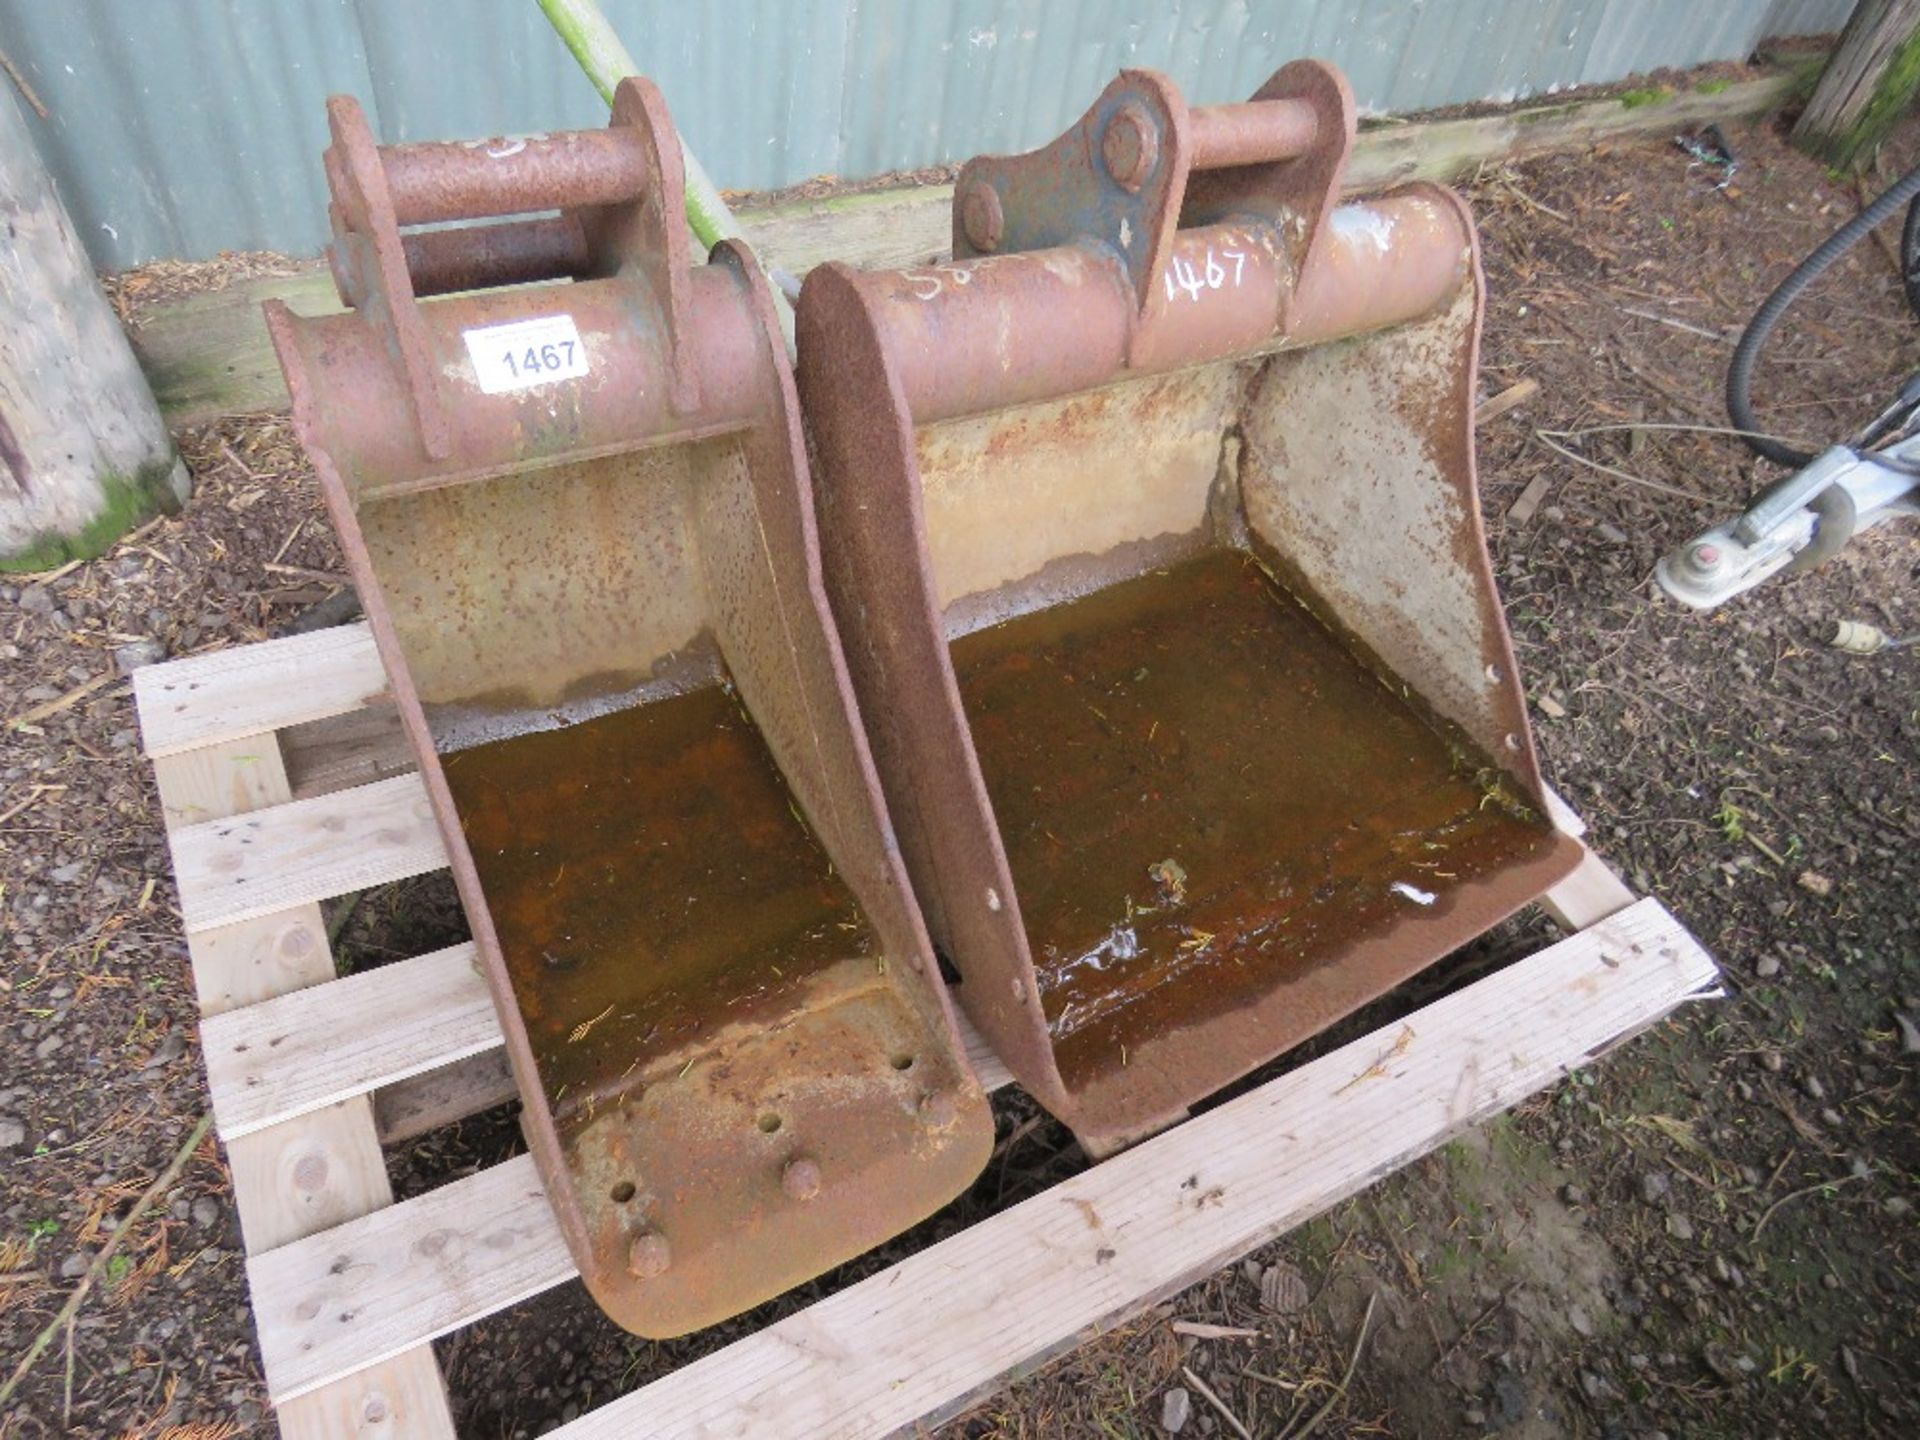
column 583, row 26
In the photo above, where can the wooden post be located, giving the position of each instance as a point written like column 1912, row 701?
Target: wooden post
column 84, row 455
column 1867, row 85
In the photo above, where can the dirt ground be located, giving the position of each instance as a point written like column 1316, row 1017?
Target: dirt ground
column 1709, row 1234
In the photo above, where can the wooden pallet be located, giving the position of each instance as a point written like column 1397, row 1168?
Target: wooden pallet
column 285, row 783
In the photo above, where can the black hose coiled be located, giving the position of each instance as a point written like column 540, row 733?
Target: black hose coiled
column 1747, row 352
column 1910, row 256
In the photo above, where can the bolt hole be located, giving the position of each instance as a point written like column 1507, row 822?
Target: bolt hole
column 622, row 1192
column 769, row 1124
column 903, row 1062
column 1496, row 674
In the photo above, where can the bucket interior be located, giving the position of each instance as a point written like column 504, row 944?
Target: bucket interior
column 633, row 704
column 652, row 885
column 647, row 866
column 1207, row 782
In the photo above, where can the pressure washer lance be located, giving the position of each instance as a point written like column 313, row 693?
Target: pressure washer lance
column 1803, row 519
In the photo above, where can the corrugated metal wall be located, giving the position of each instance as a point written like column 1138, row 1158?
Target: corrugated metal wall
column 179, row 128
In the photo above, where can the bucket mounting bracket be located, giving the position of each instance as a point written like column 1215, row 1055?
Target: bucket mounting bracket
column 617, row 194
column 1140, row 165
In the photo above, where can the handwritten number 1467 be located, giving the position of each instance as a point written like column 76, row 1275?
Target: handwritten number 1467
column 1182, row 275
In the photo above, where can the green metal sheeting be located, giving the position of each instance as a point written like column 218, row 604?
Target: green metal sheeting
column 182, row 129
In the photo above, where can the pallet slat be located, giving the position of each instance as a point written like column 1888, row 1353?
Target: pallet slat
column 255, row 960
column 256, row 689
column 295, row 1180
column 423, row 1103
column 253, row 865
column 399, row 1277
column 402, row 1400
column 312, row 1048
column 918, row 1339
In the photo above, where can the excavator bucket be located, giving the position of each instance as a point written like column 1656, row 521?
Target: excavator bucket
column 1151, row 528
column 574, row 499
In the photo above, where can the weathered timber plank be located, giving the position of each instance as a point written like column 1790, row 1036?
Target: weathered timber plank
column 312, row 1048
column 1591, row 893
column 256, row 689
column 920, row 1338
column 354, row 748
column 421, row 1104
column 208, row 354
column 251, row 866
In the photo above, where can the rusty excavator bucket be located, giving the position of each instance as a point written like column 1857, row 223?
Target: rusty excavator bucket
column 1151, row 528
column 579, row 518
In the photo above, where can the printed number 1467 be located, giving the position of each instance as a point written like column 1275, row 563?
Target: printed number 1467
column 543, row 360
column 523, row 354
